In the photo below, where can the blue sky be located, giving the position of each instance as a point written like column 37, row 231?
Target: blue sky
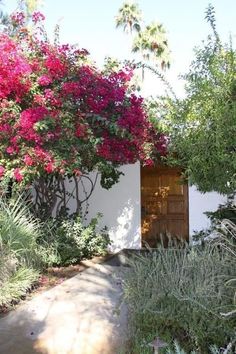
column 90, row 23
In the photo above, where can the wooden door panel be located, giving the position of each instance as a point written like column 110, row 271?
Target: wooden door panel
column 176, row 207
column 176, row 227
column 164, row 204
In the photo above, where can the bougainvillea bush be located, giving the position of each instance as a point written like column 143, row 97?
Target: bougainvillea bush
column 62, row 116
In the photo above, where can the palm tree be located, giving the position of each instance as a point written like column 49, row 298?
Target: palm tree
column 129, row 17
column 153, row 45
column 151, row 41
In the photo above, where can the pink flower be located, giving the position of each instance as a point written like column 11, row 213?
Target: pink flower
column 39, row 99
column 10, row 150
column 37, row 17
column 35, row 65
column 149, row 162
column 49, row 168
column 81, row 52
column 62, row 171
column 32, row 115
column 2, row 170
column 14, row 70
column 77, row 172
column 28, row 160
column 71, row 88
column 48, row 94
column 55, row 66
column 50, row 103
column 18, row 175
column 42, row 154
column 18, row 18
column 5, row 128
column 64, row 48
column 44, row 80
column 81, row 131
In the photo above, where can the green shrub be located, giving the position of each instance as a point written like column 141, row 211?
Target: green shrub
column 224, row 211
column 227, row 240
column 213, row 350
column 20, row 258
column 19, row 231
column 15, row 279
column 16, row 285
column 180, row 293
column 28, row 245
column 177, row 349
column 71, row 241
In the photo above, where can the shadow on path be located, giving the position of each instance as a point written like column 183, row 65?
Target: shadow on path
column 83, row 315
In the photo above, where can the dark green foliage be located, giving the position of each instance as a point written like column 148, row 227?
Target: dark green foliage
column 179, row 293
column 224, row 211
column 70, row 241
column 110, row 176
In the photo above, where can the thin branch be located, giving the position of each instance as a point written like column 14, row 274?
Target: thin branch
column 159, row 75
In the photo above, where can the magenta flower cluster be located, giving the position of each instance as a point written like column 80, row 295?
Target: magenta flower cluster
column 60, row 115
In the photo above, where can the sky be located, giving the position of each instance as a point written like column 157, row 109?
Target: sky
column 91, row 24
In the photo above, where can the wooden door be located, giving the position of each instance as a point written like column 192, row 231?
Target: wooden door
column 164, row 205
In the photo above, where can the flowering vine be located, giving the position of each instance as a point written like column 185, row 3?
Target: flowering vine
column 62, row 116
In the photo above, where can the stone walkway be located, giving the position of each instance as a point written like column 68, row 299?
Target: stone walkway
column 83, row 315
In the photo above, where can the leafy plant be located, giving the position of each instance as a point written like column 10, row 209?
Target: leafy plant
column 227, row 241
column 216, row 229
column 19, row 231
column 203, row 124
column 180, row 294
column 20, row 255
column 16, row 285
column 177, row 350
column 224, row 211
column 71, row 241
column 212, row 350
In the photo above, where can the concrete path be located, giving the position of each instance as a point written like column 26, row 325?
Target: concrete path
column 83, row 315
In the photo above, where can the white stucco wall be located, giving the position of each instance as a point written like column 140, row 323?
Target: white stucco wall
column 121, row 209
column 198, row 204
